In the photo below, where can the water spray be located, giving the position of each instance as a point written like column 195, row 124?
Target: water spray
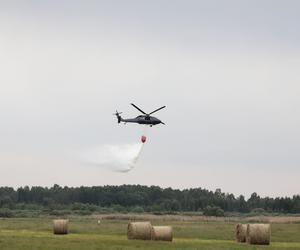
column 119, row 158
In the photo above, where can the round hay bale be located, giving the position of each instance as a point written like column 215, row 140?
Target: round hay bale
column 259, row 234
column 240, row 232
column 162, row 233
column 60, row 226
column 139, row 231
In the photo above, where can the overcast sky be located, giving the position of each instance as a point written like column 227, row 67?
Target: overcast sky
column 228, row 72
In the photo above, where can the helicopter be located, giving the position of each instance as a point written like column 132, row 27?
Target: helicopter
column 145, row 119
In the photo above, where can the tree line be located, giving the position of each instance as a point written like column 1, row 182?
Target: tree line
column 149, row 199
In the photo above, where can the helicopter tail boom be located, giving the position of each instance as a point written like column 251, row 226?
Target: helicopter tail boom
column 119, row 118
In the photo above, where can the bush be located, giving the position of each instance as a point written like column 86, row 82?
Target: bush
column 6, row 202
column 92, row 208
column 6, row 213
column 59, row 212
column 137, row 209
column 157, row 208
column 220, row 212
column 32, row 207
column 258, row 211
column 83, row 212
column 118, row 208
column 105, row 210
column 213, row 211
column 78, row 206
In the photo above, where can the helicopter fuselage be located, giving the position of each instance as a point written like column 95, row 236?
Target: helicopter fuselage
column 143, row 119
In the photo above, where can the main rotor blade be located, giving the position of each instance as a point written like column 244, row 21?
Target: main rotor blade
column 157, row 110
column 138, row 109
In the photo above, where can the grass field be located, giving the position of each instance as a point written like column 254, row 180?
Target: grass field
column 85, row 233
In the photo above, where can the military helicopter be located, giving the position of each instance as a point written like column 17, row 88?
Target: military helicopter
column 145, row 119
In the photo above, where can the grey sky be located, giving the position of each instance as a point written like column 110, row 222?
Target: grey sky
column 228, row 72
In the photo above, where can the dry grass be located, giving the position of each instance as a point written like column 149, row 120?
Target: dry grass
column 152, row 217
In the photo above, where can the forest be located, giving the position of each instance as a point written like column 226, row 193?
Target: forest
column 138, row 198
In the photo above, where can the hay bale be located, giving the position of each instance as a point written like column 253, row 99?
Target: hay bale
column 60, row 226
column 164, row 233
column 240, row 232
column 139, row 231
column 259, row 234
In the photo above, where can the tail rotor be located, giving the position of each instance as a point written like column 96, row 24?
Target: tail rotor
column 118, row 116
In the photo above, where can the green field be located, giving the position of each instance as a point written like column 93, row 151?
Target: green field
column 85, row 233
